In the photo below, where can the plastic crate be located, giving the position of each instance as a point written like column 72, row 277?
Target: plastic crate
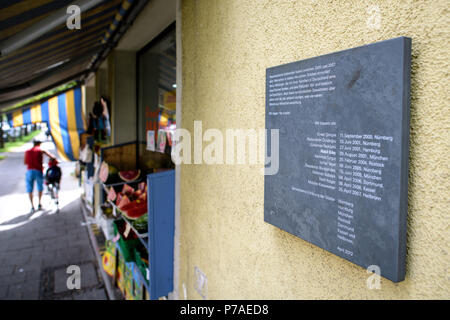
column 142, row 266
column 126, row 246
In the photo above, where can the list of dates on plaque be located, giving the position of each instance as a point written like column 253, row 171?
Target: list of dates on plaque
column 343, row 121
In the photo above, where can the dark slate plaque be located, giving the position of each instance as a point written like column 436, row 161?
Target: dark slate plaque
column 343, row 121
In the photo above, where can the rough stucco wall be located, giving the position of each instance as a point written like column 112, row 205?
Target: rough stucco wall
column 227, row 45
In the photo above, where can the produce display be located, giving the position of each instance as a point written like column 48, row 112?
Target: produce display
column 123, row 216
column 121, row 227
column 131, row 202
column 112, row 195
column 124, row 193
column 107, row 210
column 122, row 200
column 141, row 223
column 130, row 175
column 135, row 209
column 108, row 173
column 127, row 190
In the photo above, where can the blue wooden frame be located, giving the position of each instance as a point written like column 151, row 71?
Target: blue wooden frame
column 161, row 229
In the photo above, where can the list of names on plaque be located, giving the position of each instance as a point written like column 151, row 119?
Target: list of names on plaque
column 341, row 183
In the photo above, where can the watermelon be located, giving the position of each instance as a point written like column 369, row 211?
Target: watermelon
column 143, row 197
column 134, row 209
column 130, row 175
column 137, row 194
column 141, row 224
column 107, row 173
column 127, row 190
column 142, row 186
column 123, row 202
column 112, row 194
column 119, row 197
column 133, row 204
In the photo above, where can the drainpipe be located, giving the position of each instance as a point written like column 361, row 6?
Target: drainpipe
column 40, row 28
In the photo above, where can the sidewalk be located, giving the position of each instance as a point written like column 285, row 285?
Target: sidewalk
column 36, row 249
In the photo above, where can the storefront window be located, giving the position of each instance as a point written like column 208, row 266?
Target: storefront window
column 157, row 92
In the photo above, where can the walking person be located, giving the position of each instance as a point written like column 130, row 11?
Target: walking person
column 33, row 160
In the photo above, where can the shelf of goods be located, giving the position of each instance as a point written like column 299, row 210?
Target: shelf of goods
column 139, row 277
column 157, row 189
column 142, row 235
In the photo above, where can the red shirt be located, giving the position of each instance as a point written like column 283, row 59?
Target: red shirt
column 33, row 159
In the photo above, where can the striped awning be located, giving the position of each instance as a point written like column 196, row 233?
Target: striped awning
column 60, row 55
column 64, row 116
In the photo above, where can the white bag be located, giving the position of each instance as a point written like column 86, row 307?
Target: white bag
column 86, row 154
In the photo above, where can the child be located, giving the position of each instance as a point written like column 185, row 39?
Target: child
column 53, row 176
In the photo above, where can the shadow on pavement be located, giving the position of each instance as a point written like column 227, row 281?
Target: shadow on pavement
column 36, row 251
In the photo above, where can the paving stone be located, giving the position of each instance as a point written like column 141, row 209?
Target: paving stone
column 34, row 251
column 30, row 290
column 13, row 295
column 19, row 245
column 88, row 276
column 72, row 251
column 19, row 271
column 87, row 253
column 80, row 243
column 6, row 270
column 55, row 244
column 35, row 261
column 50, row 253
column 45, row 237
column 48, row 258
column 97, row 294
column 3, row 291
column 12, row 279
column 64, row 258
column 72, row 238
column 19, row 257
column 30, row 295
column 15, row 291
column 33, row 275
column 43, row 243
column 60, row 280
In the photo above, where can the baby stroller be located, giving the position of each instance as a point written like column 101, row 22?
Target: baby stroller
column 53, row 179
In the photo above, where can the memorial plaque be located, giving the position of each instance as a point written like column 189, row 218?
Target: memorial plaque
column 342, row 183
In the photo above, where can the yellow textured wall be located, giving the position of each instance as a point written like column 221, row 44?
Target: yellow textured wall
column 227, row 46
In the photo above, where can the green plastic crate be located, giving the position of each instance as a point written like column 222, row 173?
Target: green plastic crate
column 140, row 264
column 126, row 246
